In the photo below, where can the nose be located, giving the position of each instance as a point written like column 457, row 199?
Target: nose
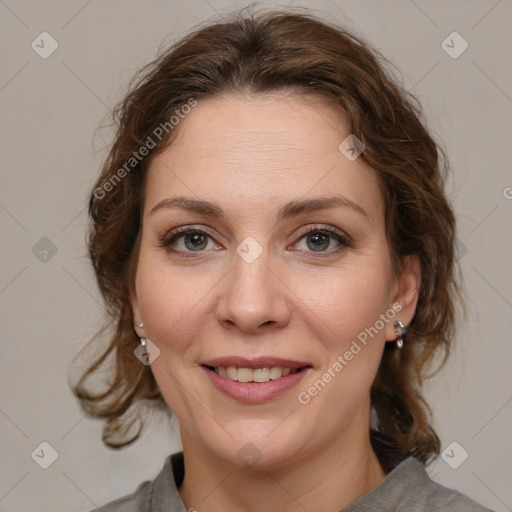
column 253, row 298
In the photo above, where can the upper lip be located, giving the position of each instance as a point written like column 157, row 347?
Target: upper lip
column 259, row 362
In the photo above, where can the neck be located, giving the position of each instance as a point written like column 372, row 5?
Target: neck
column 323, row 481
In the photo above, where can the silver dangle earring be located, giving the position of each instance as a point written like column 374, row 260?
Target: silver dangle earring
column 399, row 331
column 143, row 341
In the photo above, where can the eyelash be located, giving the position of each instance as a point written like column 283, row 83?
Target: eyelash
column 170, row 238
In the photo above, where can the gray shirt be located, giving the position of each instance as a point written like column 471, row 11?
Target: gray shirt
column 407, row 488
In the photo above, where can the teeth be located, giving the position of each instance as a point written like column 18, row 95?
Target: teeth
column 260, row 374
column 256, row 375
column 276, row 372
column 244, row 375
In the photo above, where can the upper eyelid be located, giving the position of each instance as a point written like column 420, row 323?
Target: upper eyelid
column 183, row 230
column 304, row 230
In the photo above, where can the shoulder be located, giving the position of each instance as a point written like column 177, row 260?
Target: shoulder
column 154, row 495
column 409, row 487
column 425, row 494
column 138, row 501
column 441, row 499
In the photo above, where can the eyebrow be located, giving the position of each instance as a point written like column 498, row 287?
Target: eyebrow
column 290, row 209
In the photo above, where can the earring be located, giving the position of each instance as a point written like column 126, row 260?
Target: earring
column 399, row 332
column 143, row 341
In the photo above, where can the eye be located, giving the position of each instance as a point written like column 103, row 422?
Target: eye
column 188, row 239
column 318, row 239
column 323, row 239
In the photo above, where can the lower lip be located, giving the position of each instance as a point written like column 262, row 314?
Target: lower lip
column 255, row 392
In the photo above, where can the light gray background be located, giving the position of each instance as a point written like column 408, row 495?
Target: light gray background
column 50, row 110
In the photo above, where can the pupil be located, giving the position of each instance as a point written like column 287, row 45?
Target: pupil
column 318, row 239
column 197, row 240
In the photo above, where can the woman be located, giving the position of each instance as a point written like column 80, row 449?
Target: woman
column 272, row 240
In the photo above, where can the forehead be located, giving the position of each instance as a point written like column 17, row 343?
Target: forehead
column 275, row 128
column 262, row 150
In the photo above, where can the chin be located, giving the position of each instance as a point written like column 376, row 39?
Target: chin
column 258, row 446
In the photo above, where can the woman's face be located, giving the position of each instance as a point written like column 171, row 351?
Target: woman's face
column 272, row 304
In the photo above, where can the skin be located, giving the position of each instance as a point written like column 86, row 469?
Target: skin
column 251, row 154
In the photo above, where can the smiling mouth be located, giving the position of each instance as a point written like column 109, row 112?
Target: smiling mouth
column 256, row 375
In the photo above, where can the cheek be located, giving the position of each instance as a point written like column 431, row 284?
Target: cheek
column 345, row 316
column 347, row 302
column 171, row 302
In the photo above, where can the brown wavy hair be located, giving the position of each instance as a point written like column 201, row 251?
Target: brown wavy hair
column 258, row 53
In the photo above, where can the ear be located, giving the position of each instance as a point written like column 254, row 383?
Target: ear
column 137, row 318
column 405, row 293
